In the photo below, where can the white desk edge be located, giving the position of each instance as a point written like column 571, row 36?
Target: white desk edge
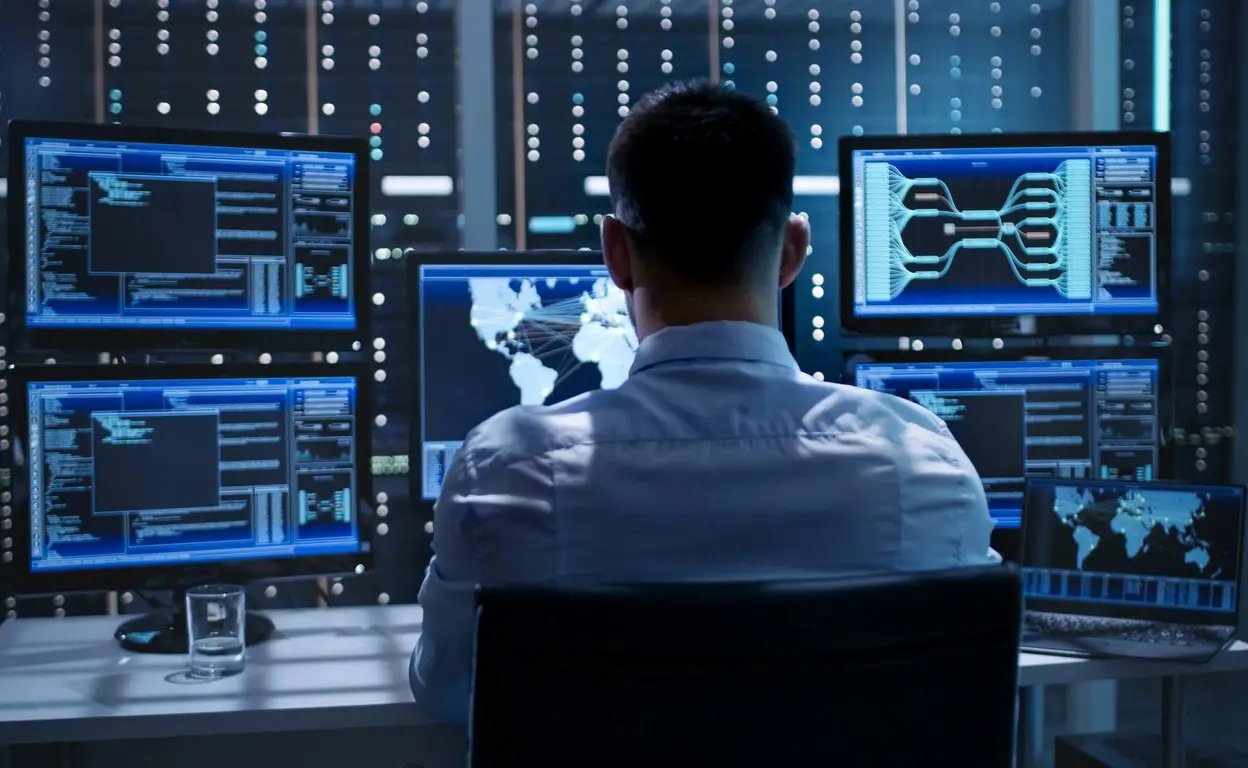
column 329, row 669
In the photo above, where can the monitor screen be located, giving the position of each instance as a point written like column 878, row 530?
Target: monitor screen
column 1017, row 419
column 949, row 228
column 494, row 335
column 1092, row 545
column 149, row 235
column 143, row 472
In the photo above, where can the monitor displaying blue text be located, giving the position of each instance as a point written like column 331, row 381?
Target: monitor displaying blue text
column 130, row 473
column 125, row 234
column 1017, row 419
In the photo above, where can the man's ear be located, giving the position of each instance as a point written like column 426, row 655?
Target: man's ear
column 795, row 248
column 617, row 252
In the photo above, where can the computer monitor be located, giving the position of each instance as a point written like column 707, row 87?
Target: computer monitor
column 1005, row 233
column 163, row 477
column 499, row 329
column 142, row 238
column 1083, row 415
column 1151, row 551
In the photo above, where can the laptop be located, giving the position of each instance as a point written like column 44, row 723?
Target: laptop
column 1135, row 569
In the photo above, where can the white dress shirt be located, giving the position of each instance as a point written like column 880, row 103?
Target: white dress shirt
column 717, row 459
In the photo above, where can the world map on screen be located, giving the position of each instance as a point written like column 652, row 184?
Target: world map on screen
column 1134, row 515
column 547, row 338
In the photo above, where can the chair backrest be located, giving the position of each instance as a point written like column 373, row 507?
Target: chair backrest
column 908, row 670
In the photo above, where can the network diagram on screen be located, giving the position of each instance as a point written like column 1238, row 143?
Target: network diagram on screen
column 144, row 473
column 1005, row 231
column 1125, row 543
column 1017, row 419
column 125, row 234
column 497, row 336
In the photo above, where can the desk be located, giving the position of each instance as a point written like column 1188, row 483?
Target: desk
column 1037, row 669
column 67, row 680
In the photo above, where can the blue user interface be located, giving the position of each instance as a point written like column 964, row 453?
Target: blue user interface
column 150, row 473
column 1005, row 231
column 1167, row 546
column 494, row 336
column 134, row 235
column 1060, row 418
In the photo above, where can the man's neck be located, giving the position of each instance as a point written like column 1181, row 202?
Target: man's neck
column 653, row 316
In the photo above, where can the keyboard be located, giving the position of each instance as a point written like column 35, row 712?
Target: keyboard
column 1059, row 625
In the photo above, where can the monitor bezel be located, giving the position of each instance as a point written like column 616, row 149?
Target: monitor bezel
column 165, row 576
column 1141, row 611
column 1165, row 388
column 576, row 258
column 1002, row 324
column 123, row 338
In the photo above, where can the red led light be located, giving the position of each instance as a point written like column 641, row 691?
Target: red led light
column 375, row 127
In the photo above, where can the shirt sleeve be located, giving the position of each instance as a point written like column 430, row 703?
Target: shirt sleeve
column 943, row 503
column 442, row 662
column 491, row 525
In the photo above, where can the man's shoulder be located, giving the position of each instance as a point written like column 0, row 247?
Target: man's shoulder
column 524, row 431
column 843, row 407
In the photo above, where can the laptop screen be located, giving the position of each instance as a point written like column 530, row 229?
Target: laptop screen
column 1121, row 549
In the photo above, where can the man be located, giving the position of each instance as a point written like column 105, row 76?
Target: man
column 717, row 459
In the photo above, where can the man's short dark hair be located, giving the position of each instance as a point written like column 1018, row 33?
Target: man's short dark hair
column 702, row 176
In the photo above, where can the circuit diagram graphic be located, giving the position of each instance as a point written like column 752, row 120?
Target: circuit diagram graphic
column 915, row 230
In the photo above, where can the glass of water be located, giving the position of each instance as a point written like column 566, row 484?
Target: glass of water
column 215, row 619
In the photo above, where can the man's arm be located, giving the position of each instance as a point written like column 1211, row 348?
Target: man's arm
column 491, row 525
column 442, row 662
column 943, row 502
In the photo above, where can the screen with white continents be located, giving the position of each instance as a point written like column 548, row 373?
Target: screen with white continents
column 1005, row 231
column 1163, row 546
column 179, row 471
column 496, row 336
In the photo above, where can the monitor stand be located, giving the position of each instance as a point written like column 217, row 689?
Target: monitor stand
column 164, row 630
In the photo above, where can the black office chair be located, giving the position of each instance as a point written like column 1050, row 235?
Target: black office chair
column 894, row 670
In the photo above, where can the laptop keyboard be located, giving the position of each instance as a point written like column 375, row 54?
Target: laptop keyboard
column 1130, row 630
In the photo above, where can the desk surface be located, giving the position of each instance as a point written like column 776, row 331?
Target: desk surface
column 68, row 680
column 1039, row 669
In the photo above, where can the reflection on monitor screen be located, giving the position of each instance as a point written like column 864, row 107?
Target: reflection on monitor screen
column 1005, row 231
column 494, row 336
column 1016, row 419
column 129, row 234
column 1162, row 546
column 175, row 472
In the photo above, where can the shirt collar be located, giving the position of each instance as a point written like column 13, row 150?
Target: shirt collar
column 721, row 340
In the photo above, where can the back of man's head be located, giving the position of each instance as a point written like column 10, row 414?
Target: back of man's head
column 702, row 177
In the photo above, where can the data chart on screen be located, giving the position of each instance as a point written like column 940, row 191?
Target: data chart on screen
column 1161, row 546
column 171, row 472
column 1005, row 231
column 123, row 234
column 496, row 336
column 1050, row 418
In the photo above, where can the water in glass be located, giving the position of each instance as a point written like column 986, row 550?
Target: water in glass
column 216, row 657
